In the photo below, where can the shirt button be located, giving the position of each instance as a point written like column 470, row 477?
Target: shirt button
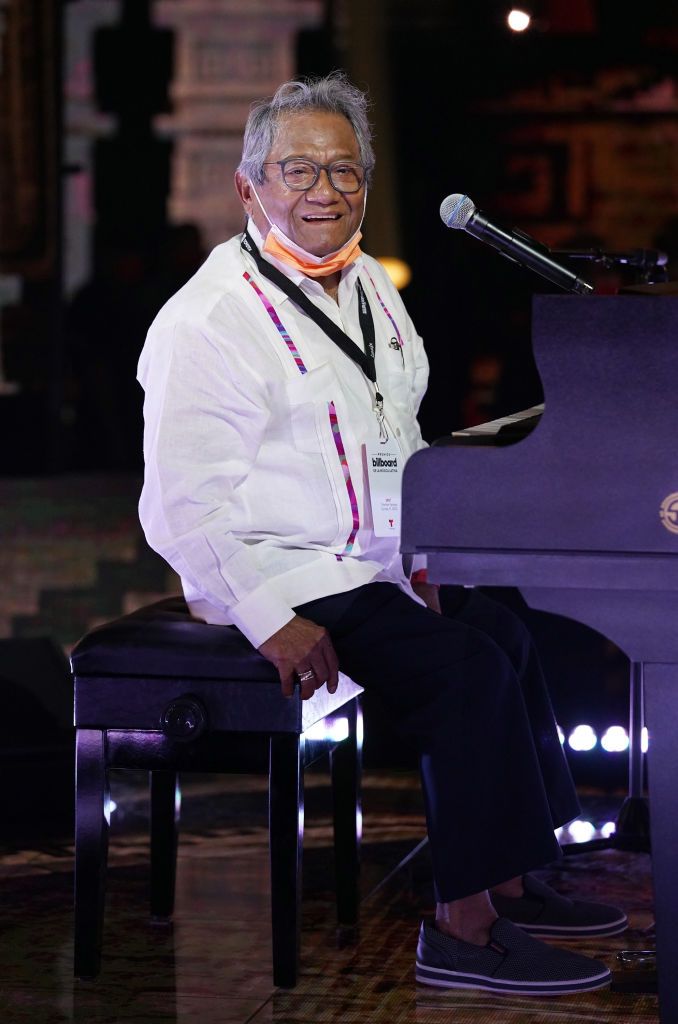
column 397, row 431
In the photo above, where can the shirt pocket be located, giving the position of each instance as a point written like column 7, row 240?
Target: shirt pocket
column 308, row 397
column 398, row 384
column 327, row 449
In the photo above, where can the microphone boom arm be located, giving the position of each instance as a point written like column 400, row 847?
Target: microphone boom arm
column 522, row 250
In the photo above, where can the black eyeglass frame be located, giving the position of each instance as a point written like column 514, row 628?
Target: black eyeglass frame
column 318, row 168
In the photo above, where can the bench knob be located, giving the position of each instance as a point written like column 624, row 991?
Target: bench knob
column 184, row 719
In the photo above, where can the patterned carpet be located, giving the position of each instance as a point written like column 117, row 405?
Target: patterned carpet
column 213, row 965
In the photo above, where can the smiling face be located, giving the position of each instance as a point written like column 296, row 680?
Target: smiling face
column 320, row 220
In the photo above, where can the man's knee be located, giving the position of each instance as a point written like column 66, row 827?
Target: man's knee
column 506, row 629
column 489, row 666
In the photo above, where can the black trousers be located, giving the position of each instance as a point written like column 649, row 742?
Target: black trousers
column 468, row 690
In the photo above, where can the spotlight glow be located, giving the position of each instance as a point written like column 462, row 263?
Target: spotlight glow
column 608, row 829
column 109, row 807
column 581, row 831
column 615, row 739
column 518, row 20
column 644, row 740
column 398, row 270
column 582, row 737
column 336, row 730
column 561, row 736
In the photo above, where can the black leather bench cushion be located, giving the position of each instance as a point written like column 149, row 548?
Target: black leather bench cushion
column 127, row 671
column 162, row 639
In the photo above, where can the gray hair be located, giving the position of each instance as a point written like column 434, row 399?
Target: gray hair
column 334, row 94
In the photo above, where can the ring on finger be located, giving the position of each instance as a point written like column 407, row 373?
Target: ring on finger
column 305, row 676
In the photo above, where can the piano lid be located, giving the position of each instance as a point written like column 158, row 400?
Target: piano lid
column 600, row 470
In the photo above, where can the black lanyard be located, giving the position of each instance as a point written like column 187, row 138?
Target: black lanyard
column 365, row 360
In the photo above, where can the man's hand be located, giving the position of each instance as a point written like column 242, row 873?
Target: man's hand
column 298, row 648
column 430, row 595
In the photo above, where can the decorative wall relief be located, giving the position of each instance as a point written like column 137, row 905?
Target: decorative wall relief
column 228, row 53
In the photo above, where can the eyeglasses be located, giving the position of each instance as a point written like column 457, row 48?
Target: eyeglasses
column 301, row 175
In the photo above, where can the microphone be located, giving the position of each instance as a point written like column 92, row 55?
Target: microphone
column 460, row 212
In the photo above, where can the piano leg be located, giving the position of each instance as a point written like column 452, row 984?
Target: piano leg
column 632, row 830
column 661, row 714
column 632, row 827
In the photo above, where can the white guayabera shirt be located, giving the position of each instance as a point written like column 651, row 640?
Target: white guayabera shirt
column 255, row 488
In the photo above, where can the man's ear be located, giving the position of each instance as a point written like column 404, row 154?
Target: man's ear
column 244, row 190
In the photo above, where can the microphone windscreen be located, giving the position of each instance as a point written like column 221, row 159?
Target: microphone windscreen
column 456, row 210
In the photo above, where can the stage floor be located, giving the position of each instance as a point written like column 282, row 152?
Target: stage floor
column 214, row 964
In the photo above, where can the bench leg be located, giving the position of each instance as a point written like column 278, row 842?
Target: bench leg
column 165, row 808
column 92, row 816
column 286, row 828
column 346, row 767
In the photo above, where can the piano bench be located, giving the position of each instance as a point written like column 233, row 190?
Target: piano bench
column 161, row 691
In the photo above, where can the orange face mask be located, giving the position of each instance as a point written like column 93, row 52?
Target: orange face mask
column 278, row 244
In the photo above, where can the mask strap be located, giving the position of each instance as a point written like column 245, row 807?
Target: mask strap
column 363, row 213
column 262, row 205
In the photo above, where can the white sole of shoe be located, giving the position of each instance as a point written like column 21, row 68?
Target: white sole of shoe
column 568, row 931
column 440, row 978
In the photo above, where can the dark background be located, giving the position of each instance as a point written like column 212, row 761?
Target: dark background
column 569, row 132
column 465, row 106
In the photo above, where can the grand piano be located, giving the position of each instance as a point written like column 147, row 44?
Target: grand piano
column 582, row 516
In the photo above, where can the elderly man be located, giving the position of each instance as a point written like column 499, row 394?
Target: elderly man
column 282, row 384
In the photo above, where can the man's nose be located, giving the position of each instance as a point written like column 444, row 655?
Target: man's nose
column 323, row 188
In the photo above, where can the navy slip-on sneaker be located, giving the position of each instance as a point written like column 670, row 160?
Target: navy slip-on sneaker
column 544, row 912
column 512, row 963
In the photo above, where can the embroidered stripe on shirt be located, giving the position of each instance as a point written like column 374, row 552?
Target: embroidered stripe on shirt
column 341, row 452
column 278, row 323
column 383, row 306
column 334, row 422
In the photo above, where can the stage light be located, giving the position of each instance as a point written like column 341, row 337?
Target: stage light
column 336, row 730
column 581, row 831
column 518, row 20
column 644, row 740
column 561, row 736
column 608, row 829
column 615, row 739
column 339, row 730
column 397, row 270
column 582, row 737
